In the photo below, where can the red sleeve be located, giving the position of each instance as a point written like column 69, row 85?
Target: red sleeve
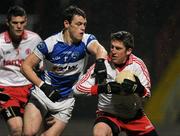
column 94, row 90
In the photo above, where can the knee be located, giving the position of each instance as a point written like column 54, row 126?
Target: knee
column 98, row 132
column 29, row 133
column 30, row 130
column 102, row 129
column 16, row 131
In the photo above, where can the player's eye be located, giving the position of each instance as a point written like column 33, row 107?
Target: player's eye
column 14, row 22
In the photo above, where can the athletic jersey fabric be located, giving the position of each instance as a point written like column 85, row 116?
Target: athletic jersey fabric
column 63, row 63
column 107, row 102
column 11, row 58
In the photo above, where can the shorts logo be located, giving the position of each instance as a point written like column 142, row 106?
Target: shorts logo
column 8, row 113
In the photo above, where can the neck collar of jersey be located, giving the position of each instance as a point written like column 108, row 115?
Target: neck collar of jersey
column 122, row 66
column 128, row 61
column 7, row 37
column 60, row 37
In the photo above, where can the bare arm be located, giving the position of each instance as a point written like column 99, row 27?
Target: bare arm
column 101, row 54
column 98, row 50
column 27, row 69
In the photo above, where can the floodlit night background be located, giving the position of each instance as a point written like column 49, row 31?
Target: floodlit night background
column 155, row 25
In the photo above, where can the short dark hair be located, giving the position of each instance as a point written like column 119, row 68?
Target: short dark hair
column 15, row 11
column 124, row 36
column 71, row 11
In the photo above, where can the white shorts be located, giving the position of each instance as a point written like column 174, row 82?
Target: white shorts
column 61, row 110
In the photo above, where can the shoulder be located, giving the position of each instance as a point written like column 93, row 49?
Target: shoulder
column 2, row 39
column 87, row 38
column 136, row 60
column 51, row 40
column 2, row 36
column 139, row 65
column 32, row 35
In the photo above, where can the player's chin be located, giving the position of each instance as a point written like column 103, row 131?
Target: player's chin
column 19, row 33
column 115, row 61
column 78, row 39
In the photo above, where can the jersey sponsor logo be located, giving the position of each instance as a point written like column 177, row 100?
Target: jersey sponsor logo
column 64, row 69
column 16, row 62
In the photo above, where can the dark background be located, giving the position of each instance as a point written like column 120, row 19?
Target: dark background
column 155, row 25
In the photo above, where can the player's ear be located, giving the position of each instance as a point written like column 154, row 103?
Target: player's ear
column 129, row 51
column 66, row 24
column 26, row 20
column 7, row 23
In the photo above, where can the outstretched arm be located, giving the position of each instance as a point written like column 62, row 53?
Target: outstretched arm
column 88, row 86
column 100, row 71
column 98, row 50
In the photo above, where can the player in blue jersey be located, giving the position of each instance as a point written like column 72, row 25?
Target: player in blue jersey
column 65, row 57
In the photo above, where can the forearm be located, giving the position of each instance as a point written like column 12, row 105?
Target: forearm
column 27, row 69
column 77, row 91
column 98, row 50
column 29, row 73
column 101, row 52
column 83, row 86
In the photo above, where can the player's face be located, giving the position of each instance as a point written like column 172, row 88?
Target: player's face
column 17, row 25
column 119, row 53
column 77, row 28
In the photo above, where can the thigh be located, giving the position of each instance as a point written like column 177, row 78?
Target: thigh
column 32, row 119
column 56, row 128
column 59, row 120
column 65, row 108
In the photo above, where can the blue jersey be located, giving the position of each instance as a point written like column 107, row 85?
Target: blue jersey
column 63, row 63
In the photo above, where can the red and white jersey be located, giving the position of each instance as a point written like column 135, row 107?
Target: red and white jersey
column 105, row 102
column 11, row 58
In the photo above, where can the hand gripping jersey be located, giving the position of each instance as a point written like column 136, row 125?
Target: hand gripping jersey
column 11, row 58
column 63, row 63
column 110, row 102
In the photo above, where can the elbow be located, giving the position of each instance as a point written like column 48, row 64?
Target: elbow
column 22, row 68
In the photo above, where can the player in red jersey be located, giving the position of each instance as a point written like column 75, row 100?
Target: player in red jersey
column 15, row 45
column 119, row 104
